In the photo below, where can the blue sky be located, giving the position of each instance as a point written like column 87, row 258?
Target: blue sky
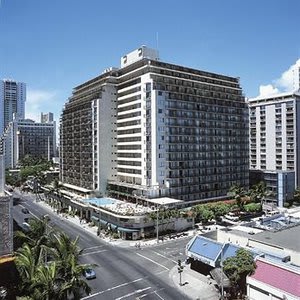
column 55, row 45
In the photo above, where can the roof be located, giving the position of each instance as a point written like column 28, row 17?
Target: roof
column 204, row 249
column 164, row 201
column 286, row 238
column 278, row 276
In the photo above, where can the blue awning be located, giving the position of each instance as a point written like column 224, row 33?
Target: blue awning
column 95, row 219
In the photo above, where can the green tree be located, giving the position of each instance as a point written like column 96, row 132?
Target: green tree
column 220, row 209
column 238, row 193
column 238, row 267
column 48, row 264
column 297, row 194
column 259, row 192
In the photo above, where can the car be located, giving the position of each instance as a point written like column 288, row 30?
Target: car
column 25, row 210
column 26, row 226
column 89, row 273
column 46, row 218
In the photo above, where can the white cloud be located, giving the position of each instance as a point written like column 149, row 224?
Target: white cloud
column 287, row 82
column 269, row 89
column 38, row 101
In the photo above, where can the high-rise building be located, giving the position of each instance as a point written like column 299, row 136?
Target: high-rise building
column 47, row 117
column 12, row 101
column 27, row 137
column 274, row 143
column 154, row 129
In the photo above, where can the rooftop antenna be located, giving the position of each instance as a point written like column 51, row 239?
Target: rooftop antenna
column 156, row 42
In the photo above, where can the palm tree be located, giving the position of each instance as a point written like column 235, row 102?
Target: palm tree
column 66, row 253
column 238, row 193
column 259, row 192
column 47, row 284
column 57, row 279
column 26, row 265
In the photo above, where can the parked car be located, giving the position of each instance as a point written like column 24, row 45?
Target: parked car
column 25, row 210
column 89, row 273
column 26, row 226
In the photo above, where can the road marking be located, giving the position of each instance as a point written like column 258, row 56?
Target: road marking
column 147, row 294
column 153, row 261
column 90, row 248
column 159, row 254
column 113, row 288
column 85, row 254
column 133, row 293
column 155, row 292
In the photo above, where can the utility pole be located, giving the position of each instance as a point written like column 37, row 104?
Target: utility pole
column 157, row 224
column 180, row 270
column 222, row 283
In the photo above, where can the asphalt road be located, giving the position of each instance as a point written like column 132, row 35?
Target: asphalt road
column 122, row 272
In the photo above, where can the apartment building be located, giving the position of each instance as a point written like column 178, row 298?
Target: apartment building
column 158, row 129
column 274, row 143
column 27, row 137
column 12, row 101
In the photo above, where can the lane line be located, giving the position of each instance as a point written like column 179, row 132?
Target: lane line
column 153, row 261
column 133, row 293
column 113, row 288
column 85, row 254
column 159, row 254
column 147, row 294
column 90, row 248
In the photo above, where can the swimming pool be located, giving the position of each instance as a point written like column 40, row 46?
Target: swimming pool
column 100, row 201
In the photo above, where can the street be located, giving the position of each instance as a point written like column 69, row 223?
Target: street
column 122, row 272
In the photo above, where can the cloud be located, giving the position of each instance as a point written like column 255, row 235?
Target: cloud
column 269, row 89
column 287, row 82
column 38, row 101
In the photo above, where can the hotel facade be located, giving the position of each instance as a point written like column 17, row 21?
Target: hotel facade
column 274, row 144
column 152, row 129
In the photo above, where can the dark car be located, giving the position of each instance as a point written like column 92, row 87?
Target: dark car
column 25, row 210
column 89, row 274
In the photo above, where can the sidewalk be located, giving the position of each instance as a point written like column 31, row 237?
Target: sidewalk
column 195, row 285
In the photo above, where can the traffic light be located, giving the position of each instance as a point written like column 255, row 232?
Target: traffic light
column 180, row 270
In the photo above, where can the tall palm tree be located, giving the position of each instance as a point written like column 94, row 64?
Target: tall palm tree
column 47, row 284
column 238, row 193
column 259, row 192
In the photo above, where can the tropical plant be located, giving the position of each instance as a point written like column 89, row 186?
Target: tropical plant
column 259, row 192
column 297, row 194
column 48, row 264
column 238, row 193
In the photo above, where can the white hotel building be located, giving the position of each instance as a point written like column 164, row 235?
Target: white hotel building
column 274, row 143
column 151, row 129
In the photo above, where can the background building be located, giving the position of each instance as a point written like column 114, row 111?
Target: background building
column 274, row 140
column 47, row 117
column 27, row 137
column 12, row 101
column 158, row 129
